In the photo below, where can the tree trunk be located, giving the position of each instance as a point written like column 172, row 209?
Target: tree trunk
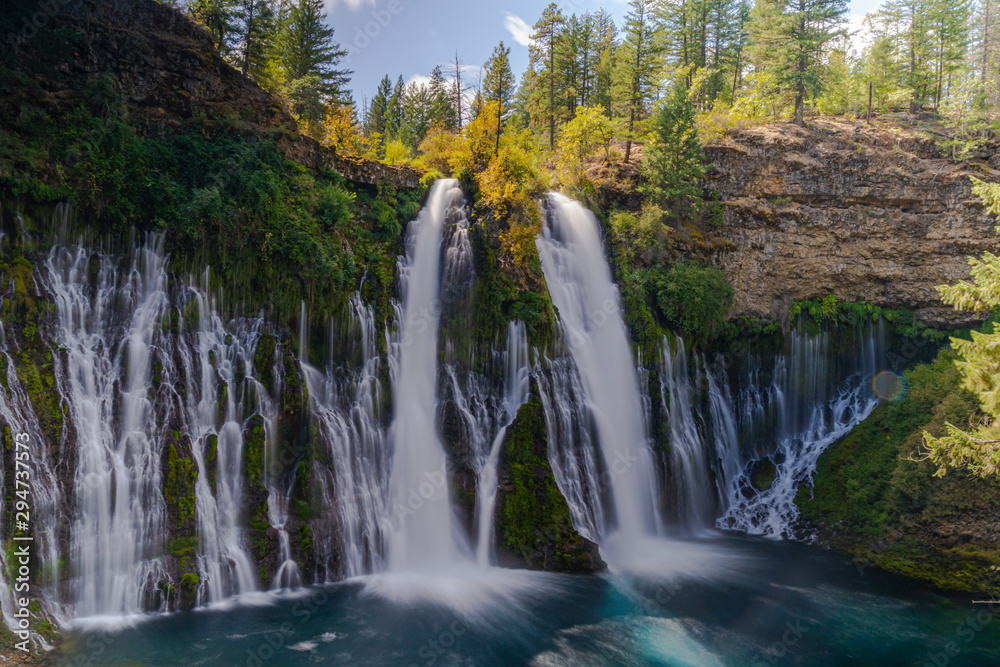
column 628, row 142
column 552, row 88
column 986, row 40
column 499, row 123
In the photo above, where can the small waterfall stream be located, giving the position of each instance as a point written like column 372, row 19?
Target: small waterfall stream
column 516, row 386
column 118, row 484
column 346, row 407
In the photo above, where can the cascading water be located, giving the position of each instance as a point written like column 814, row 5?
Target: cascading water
column 17, row 414
column 120, row 508
column 421, row 535
column 586, row 299
column 516, row 386
column 346, row 407
column 573, row 454
column 691, row 495
column 215, row 363
column 809, row 422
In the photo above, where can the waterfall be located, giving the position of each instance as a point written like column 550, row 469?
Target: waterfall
column 215, row 362
column 17, row 414
column 573, row 455
column 692, row 499
column 346, row 407
column 810, row 418
column 586, row 299
column 110, row 333
column 516, row 386
column 421, row 535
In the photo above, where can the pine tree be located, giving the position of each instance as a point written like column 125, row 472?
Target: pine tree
column 675, row 163
column 949, row 21
column 605, row 50
column 379, row 107
column 218, row 16
column 442, row 110
column 394, row 110
column 977, row 450
column 543, row 57
column 638, row 63
column 308, row 49
column 791, row 38
column 498, row 85
column 254, row 35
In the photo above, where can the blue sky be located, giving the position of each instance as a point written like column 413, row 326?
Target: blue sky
column 410, row 37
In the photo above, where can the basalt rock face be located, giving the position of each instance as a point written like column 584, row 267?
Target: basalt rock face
column 169, row 73
column 868, row 215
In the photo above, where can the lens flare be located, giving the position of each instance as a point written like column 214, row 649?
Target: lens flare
column 889, row 386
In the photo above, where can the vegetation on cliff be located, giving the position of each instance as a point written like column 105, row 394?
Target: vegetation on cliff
column 872, row 498
column 976, row 447
column 533, row 524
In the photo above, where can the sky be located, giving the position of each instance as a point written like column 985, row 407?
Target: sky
column 410, row 37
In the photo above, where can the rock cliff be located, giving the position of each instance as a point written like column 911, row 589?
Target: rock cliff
column 871, row 215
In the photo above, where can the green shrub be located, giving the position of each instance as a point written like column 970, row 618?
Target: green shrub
column 691, row 298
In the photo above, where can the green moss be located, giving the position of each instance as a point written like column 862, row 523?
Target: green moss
column 178, row 486
column 303, row 503
column 41, row 623
column 831, row 310
column 763, row 474
column 533, row 520
column 874, row 497
column 211, row 459
column 189, row 590
column 255, row 493
column 496, row 300
column 263, row 360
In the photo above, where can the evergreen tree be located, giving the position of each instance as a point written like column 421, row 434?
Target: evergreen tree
column 543, row 57
column 606, row 45
column 791, row 39
column 308, row 49
column 417, row 117
column 498, row 86
column 442, row 110
column 394, row 110
column 977, row 450
column 675, row 163
column 218, row 16
column 255, row 33
column 378, row 110
column 638, row 64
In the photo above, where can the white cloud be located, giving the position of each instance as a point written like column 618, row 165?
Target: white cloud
column 419, row 79
column 353, row 5
column 518, row 29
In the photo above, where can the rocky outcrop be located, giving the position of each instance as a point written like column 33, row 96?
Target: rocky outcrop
column 870, row 215
column 533, row 525
column 169, row 73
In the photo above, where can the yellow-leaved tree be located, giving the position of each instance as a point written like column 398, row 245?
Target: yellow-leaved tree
column 580, row 138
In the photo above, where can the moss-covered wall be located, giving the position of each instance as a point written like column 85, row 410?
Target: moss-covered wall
column 533, row 524
column 873, row 498
column 180, row 474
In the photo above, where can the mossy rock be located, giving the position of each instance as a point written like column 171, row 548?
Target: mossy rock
column 874, row 498
column 534, row 528
column 263, row 361
column 762, row 474
column 261, row 537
